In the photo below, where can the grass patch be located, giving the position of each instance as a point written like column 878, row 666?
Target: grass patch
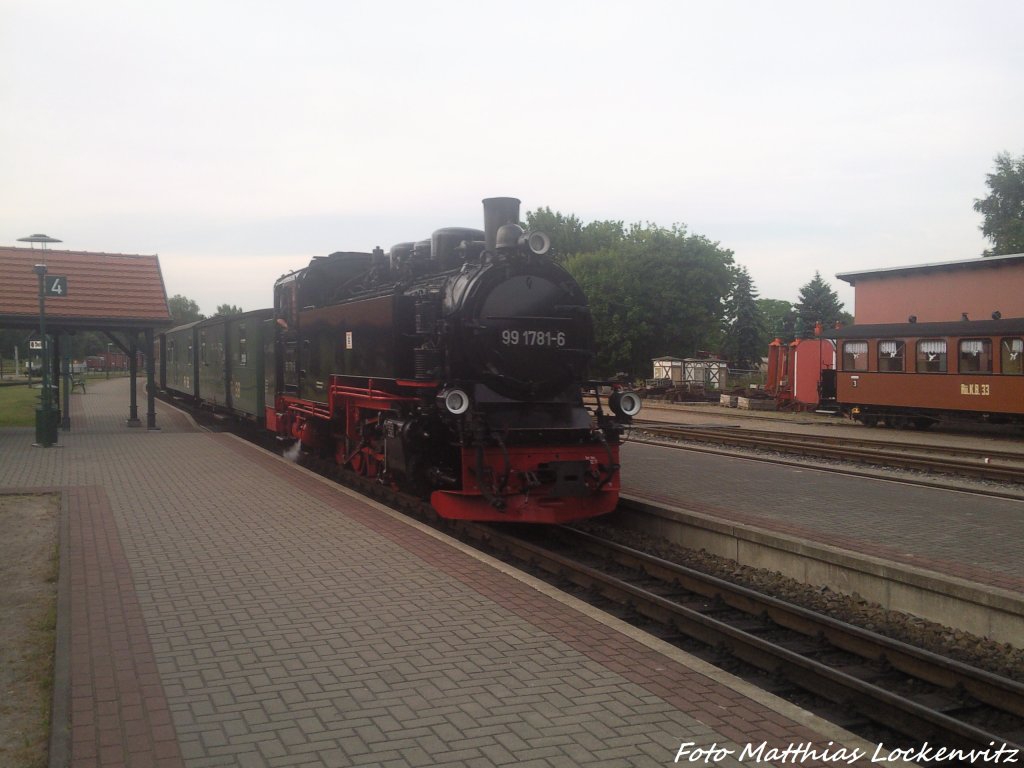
column 18, row 406
column 18, row 402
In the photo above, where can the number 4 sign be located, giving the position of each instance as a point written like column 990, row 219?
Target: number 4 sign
column 56, row 285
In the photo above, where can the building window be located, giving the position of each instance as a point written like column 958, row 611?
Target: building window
column 1011, row 353
column 931, row 356
column 975, row 355
column 855, row 356
column 890, row 356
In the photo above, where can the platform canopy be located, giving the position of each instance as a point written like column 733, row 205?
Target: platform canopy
column 120, row 295
column 105, row 291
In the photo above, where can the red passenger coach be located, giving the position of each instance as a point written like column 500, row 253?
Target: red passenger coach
column 920, row 373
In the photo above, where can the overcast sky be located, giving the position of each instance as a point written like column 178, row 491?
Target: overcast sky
column 238, row 138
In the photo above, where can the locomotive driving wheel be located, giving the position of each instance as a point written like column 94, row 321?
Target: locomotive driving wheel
column 366, row 462
column 361, row 450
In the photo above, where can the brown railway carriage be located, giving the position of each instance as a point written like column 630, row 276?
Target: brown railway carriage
column 920, row 373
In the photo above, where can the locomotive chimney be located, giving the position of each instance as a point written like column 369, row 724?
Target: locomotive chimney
column 498, row 211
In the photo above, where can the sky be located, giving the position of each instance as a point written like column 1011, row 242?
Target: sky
column 238, row 138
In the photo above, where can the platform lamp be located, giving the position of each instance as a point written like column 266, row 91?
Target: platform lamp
column 46, row 423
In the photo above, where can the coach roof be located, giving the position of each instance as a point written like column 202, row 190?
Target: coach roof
column 961, row 328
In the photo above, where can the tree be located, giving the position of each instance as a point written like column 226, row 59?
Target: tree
column 779, row 319
column 1003, row 209
column 655, row 292
column 183, row 310
column 570, row 236
column 744, row 335
column 818, row 304
column 228, row 309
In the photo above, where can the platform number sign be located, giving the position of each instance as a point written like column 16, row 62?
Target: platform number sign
column 56, row 285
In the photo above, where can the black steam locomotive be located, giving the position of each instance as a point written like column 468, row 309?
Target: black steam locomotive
column 454, row 367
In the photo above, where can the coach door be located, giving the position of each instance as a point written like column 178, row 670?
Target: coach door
column 827, row 386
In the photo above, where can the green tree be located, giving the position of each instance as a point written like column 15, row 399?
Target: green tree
column 655, row 292
column 779, row 319
column 744, row 343
column 183, row 310
column 818, row 304
column 228, row 309
column 1003, row 209
column 570, row 236
column 9, row 339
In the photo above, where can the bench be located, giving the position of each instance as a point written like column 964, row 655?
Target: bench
column 78, row 381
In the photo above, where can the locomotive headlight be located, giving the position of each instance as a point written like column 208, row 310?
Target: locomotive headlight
column 456, row 402
column 625, row 403
column 536, row 243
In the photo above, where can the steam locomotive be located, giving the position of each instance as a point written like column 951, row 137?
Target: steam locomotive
column 454, row 368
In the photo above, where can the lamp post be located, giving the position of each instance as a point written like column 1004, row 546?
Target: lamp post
column 46, row 424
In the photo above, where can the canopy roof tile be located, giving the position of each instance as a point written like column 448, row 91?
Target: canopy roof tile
column 104, row 289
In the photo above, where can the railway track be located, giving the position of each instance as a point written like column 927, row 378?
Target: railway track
column 865, row 676
column 997, row 465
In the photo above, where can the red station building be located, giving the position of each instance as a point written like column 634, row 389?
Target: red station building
column 939, row 292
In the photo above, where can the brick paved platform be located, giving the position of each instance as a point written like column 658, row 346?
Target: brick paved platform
column 221, row 606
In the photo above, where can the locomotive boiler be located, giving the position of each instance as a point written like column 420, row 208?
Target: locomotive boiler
column 454, row 367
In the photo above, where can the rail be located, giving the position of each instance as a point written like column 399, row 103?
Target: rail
column 1003, row 466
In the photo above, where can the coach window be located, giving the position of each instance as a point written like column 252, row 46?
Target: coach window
column 931, row 356
column 855, row 356
column 890, row 356
column 975, row 355
column 1011, row 352
column 241, row 343
column 202, row 347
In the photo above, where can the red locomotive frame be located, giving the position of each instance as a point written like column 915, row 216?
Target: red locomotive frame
column 512, row 476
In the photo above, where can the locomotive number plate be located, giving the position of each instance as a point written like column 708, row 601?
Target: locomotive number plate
column 512, row 338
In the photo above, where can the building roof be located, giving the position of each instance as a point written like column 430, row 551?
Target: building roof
column 983, row 327
column 986, row 262
column 104, row 290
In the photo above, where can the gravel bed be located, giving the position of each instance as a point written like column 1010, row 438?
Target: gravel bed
column 999, row 658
